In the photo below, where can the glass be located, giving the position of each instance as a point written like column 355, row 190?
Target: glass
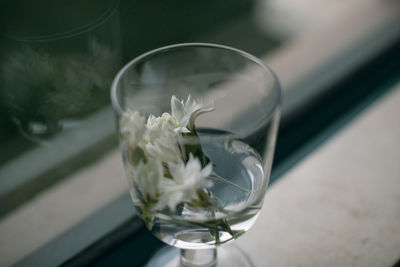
column 197, row 125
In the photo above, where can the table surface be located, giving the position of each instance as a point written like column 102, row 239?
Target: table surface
column 341, row 205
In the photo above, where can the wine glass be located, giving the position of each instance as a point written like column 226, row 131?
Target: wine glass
column 197, row 125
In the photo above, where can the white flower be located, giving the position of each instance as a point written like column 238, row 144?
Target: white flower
column 161, row 138
column 166, row 123
column 186, row 180
column 165, row 148
column 133, row 127
column 159, row 170
column 148, row 178
column 186, row 113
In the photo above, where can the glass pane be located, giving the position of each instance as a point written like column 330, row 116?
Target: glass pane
column 57, row 61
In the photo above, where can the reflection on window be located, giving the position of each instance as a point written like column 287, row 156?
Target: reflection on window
column 56, row 69
column 57, row 64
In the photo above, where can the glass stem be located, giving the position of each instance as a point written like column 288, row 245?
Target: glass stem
column 199, row 257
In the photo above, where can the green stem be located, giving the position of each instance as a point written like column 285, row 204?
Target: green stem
column 217, row 227
column 215, row 233
column 218, row 178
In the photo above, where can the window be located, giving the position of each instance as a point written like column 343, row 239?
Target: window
column 310, row 44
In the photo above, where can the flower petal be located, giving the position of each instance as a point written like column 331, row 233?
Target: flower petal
column 177, row 108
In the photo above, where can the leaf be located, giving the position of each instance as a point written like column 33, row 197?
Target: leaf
column 147, row 216
column 195, row 149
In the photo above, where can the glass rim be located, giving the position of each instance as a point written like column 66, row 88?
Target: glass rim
column 114, row 86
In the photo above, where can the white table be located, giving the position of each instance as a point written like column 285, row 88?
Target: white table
column 341, row 205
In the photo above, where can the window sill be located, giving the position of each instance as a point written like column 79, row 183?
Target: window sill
column 339, row 206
